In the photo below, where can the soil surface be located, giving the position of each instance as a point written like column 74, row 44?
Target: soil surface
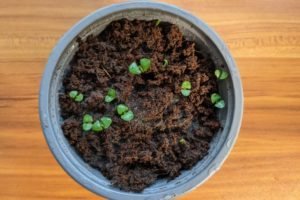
column 133, row 155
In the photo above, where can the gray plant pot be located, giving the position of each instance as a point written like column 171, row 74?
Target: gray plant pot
column 194, row 29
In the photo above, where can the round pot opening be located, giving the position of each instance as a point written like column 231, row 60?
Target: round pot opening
column 194, row 29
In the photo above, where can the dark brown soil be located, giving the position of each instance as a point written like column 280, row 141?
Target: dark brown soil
column 134, row 154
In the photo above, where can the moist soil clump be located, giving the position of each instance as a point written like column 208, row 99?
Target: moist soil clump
column 170, row 132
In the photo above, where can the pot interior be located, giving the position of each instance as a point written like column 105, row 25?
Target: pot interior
column 209, row 164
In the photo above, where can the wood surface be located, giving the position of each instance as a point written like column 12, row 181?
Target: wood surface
column 264, row 38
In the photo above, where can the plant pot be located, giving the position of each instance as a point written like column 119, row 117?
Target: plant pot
column 193, row 29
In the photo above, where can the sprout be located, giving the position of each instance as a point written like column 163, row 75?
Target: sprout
column 111, row 92
column 128, row 116
column 166, row 62
column 106, row 122
column 97, row 126
column 73, row 94
column 186, row 87
column 217, row 100
column 157, row 22
column 217, row 73
column 87, row 126
column 221, row 74
column 76, row 96
column 79, row 98
column 220, row 104
column 87, row 118
column 125, row 113
column 145, row 64
column 111, row 95
column 121, row 109
column 224, row 75
column 182, row 141
column 186, row 93
column 134, row 69
column 108, row 99
column 87, row 122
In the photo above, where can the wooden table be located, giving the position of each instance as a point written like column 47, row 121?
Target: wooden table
column 264, row 38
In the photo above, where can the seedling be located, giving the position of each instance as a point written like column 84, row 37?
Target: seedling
column 128, row 116
column 76, row 96
column 87, row 118
column 217, row 100
column 186, row 87
column 182, row 141
column 87, row 126
column 121, row 109
column 135, row 69
column 111, row 95
column 221, row 74
column 157, row 22
column 98, row 125
column 106, row 122
column 124, row 112
column 145, row 64
column 166, row 62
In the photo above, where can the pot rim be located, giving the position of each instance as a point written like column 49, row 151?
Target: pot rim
column 49, row 132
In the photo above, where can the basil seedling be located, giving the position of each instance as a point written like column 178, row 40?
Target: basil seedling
column 124, row 112
column 106, row 122
column 135, row 69
column 217, row 100
column 182, row 141
column 87, row 118
column 186, row 87
column 97, row 126
column 157, row 22
column 111, row 95
column 121, row 109
column 221, row 74
column 76, row 96
column 166, row 62
column 128, row 116
column 73, row 94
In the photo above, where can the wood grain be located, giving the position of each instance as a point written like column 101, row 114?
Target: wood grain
column 264, row 38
